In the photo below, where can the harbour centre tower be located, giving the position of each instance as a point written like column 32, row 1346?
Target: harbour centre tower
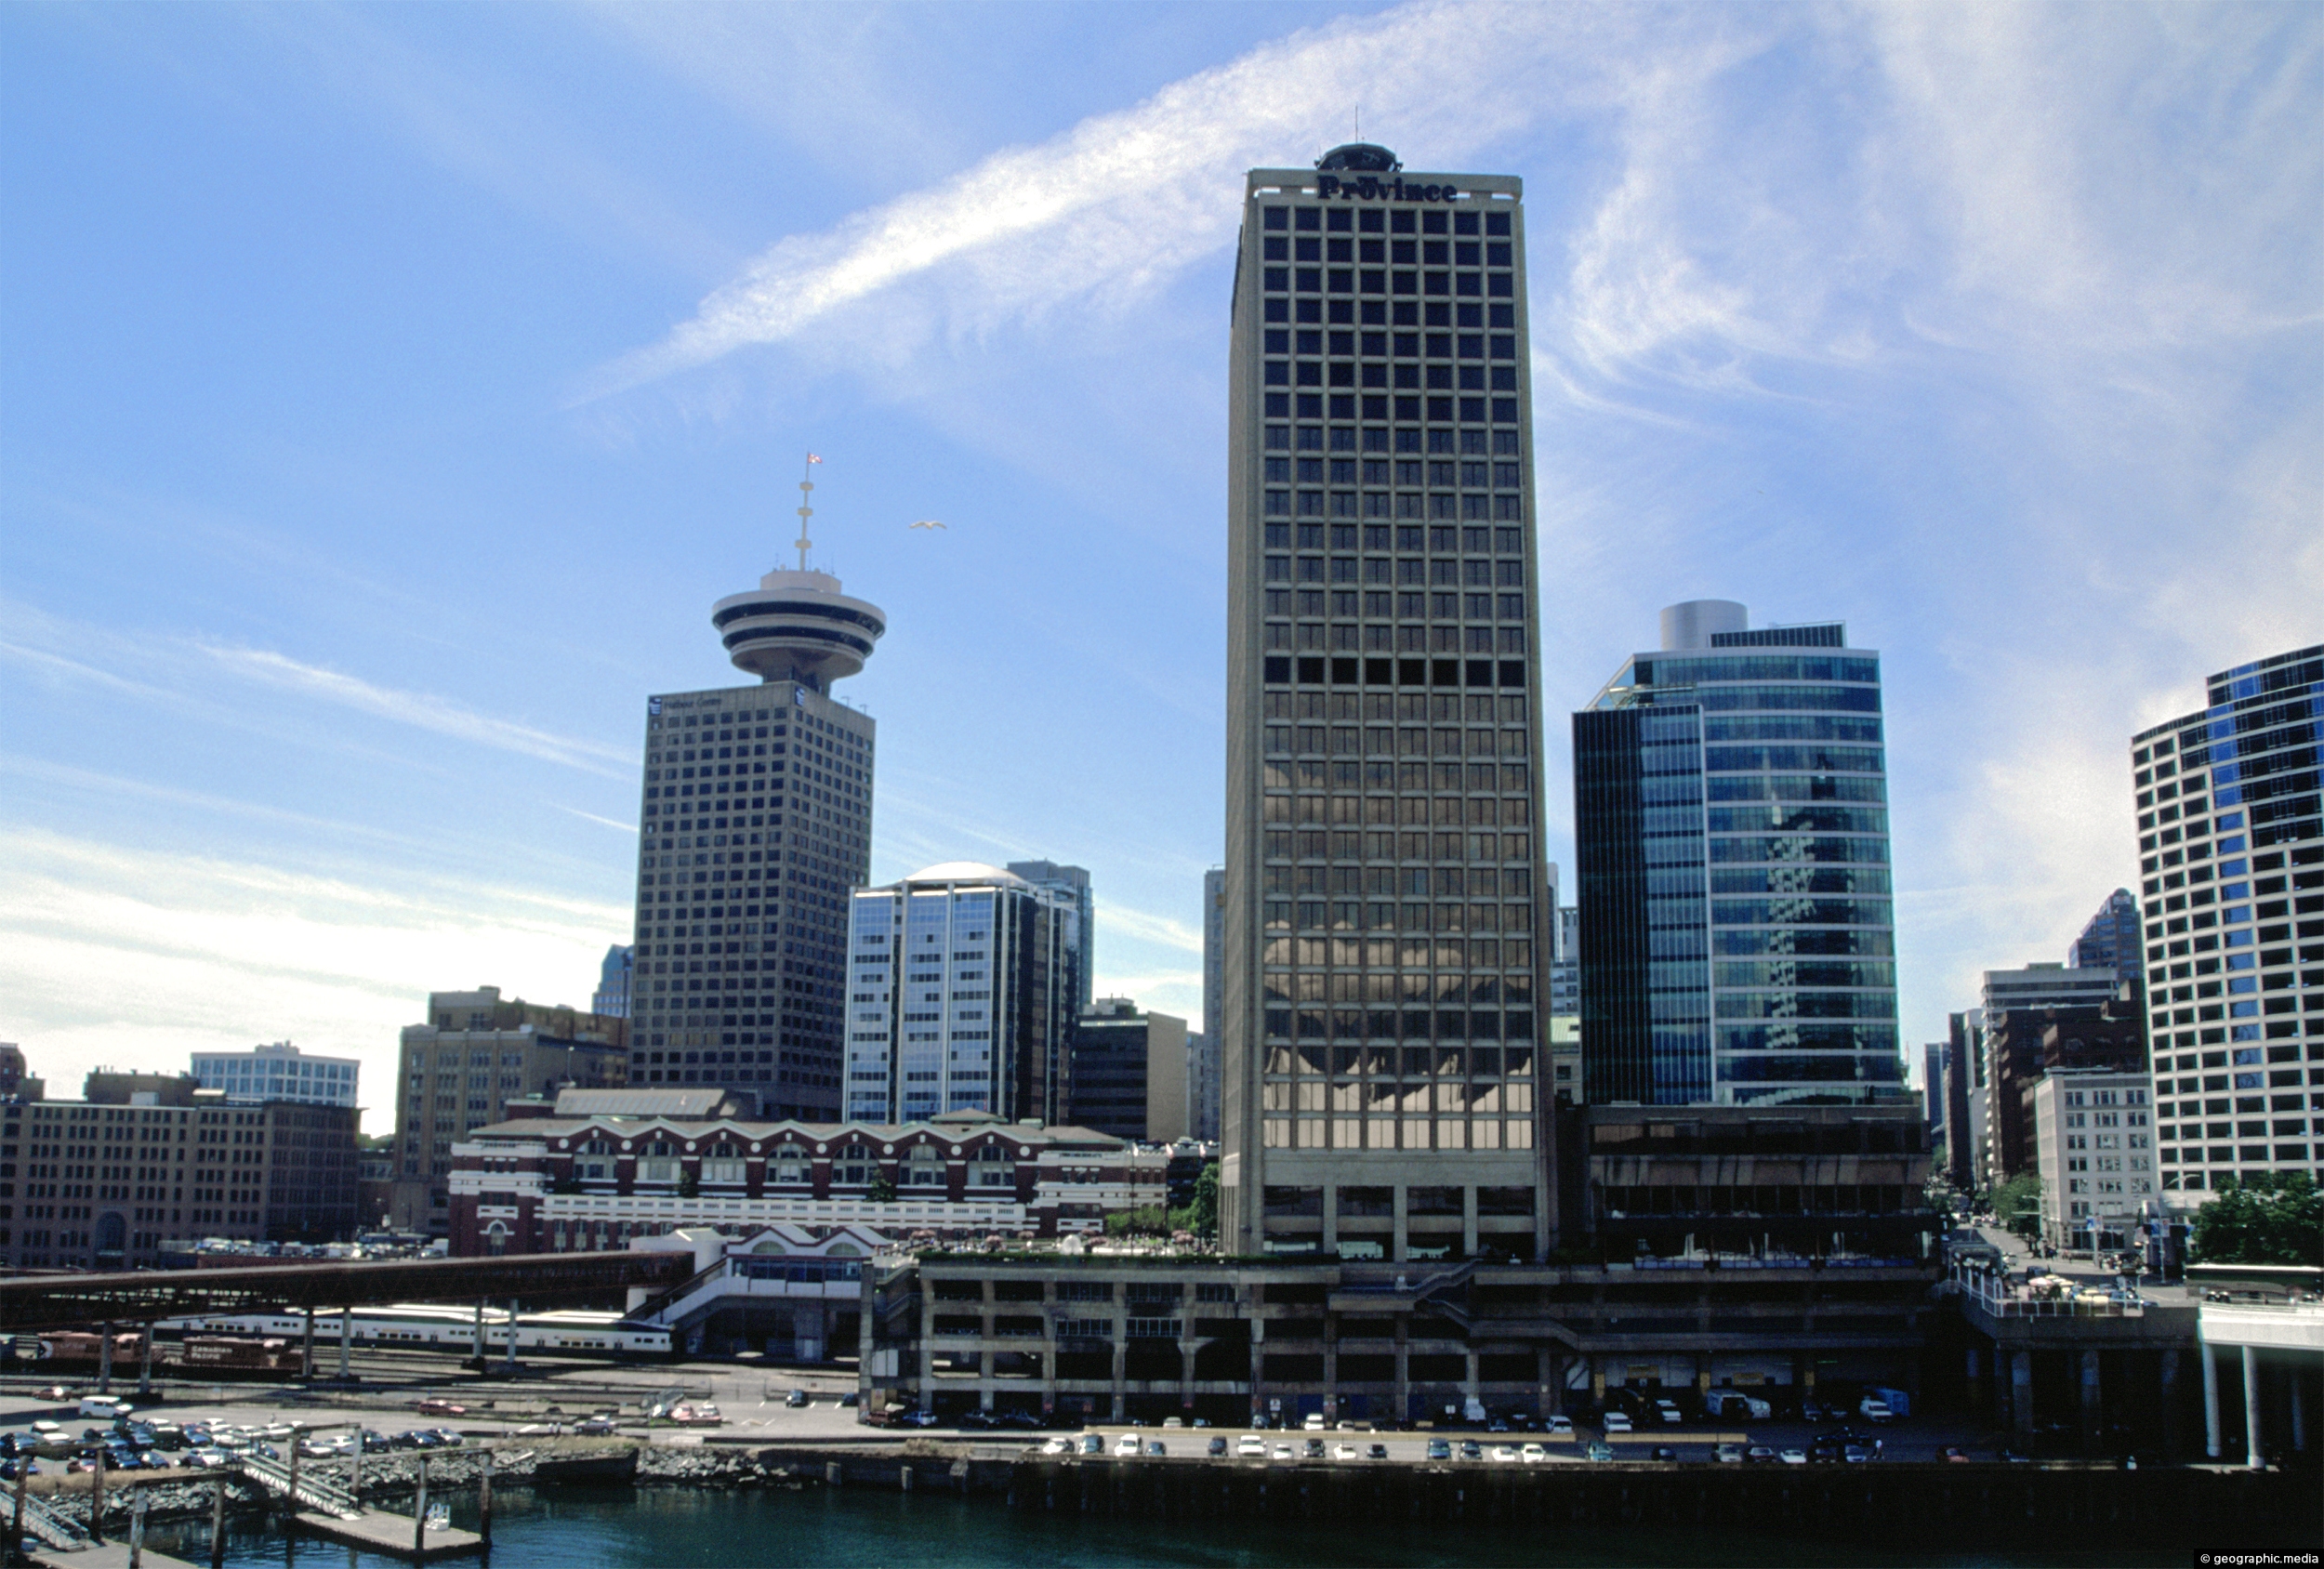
column 1387, row 905
column 755, row 823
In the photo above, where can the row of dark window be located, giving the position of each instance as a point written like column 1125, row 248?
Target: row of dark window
column 1472, row 379
column 1440, row 346
column 1377, row 405
column 1407, row 539
column 1373, row 280
column 1316, row 670
column 1344, row 438
column 1400, row 253
column 1375, row 220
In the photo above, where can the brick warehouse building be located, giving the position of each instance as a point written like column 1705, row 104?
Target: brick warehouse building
column 558, row 1183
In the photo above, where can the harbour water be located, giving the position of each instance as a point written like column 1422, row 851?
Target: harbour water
column 840, row 1529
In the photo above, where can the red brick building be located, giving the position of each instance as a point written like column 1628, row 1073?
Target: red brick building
column 543, row 1184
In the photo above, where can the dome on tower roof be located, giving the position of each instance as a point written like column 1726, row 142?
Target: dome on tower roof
column 966, row 871
column 1364, row 157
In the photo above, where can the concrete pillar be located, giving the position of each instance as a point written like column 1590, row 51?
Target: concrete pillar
column 346, row 1339
column 105, row 1360
column 145, row 1363
column 1702, row 1374
column 510, row 1364
column 2094, row 1409
column 1121, row 1372
column 1331, row 1217
column 1331, row 1366
column 2211, row 1399
column 1404, row 1365
column 1469, row 1226
column 2021, row 1393
column 1257, row 1365
column 307, row 1348
column 477, row 1351
column 1469, row 1383
column 1974, row 1381
column 1398, row 1250
column 2299, row 1413
column 2253, row 1456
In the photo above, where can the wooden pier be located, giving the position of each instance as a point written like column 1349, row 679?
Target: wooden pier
column 379, row 1531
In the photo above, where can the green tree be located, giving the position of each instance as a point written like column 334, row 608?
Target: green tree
column 1204, row 1223
column 1148, row 1220
column 883, row 1188
column 2270, row 1217
column 2017, row 1203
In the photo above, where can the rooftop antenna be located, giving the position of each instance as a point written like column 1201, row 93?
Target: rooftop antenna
column 806, row 490
column 1360, row 122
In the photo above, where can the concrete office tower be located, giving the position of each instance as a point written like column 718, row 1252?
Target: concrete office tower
column 1203, row 1069
column 2231, row 865
column 1071, row 883
column 961, row 996
column 279, row 1072
column 754, row 823
column 2110, row 939
column 1128, row 1076
column 614, row 976
column 458, row 1071
column 1386, row 904
column 1730, row 816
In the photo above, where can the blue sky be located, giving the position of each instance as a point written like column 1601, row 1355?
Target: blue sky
column 385, row 394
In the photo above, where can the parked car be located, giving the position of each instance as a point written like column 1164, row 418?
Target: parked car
column 1618, row 1421
column 1344, row 1452
column 1792, row 1457
column 1376, row 1452
column 1728, row 1454
column 796, row 1399
column 1504, row 1454
column 1439, row 1449
column 848, row 1399
column 1874, row 1409
column 447, row 1438
column 1218, row 1447
column 433, row 1408
column 1092, row 1443
column 1954, row 1452
column 103, row 1405
column 1533, row 1454
column 1314, row 1422
column 1127, row 1446
column 597, row 1427
column 1664, row 1452
column 1855, row 1455
column 1559, row 1426
column 1156, row 1449
column 1251, row 1446
column 1472, row 1450
column 1314, row 1449
column 1759, row 1455
column 1600, row 1449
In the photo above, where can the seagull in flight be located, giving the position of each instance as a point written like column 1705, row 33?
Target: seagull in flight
column 928, row 523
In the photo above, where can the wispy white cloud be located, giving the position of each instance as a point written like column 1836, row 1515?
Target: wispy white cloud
column 1123, row 202
column 421, row 709
column 600, row 822
column 109, row 954
column 1140, row 927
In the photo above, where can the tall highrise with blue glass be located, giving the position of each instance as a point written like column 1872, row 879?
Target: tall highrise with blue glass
column 2231, row 865
column 1738, row 918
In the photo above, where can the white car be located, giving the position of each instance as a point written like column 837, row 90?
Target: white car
column 1618, row 1421
column 1561, row 1426
column 1344, row 1452
column 1251, row 1446
column 1058, row 1445
column 1504, row 1454
column 1533, row 1454
column 1669, row 1411
column 1792, row 1457
column 1315, row 1423
column 103, row 1405
column 1874, row 1409
column 1128, row 1446
column 1283, row 1451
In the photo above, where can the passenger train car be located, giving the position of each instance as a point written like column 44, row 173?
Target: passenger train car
column 427, row 1326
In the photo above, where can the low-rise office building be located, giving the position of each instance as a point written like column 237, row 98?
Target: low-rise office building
column 114, row 1185
column 1129, row 1073
column 577, row 1183
column 476, row 1051
column 2096, row 1154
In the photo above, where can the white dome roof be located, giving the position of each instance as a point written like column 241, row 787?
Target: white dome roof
column 966, row 871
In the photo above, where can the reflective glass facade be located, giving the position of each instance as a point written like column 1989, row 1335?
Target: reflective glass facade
column 963, row 982
column 1737, row 924
column 2231, row 863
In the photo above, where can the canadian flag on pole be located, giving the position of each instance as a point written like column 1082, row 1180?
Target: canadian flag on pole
column 812, row 459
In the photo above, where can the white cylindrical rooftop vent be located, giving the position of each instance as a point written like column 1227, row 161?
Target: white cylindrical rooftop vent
column 1691, row 625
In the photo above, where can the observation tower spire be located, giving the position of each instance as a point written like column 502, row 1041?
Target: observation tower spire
column 797, row 625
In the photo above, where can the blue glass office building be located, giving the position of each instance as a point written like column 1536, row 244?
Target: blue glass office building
column 1731, row 825
column 2231, row 863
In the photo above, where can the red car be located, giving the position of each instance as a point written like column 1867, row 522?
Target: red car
column 440, row 1408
